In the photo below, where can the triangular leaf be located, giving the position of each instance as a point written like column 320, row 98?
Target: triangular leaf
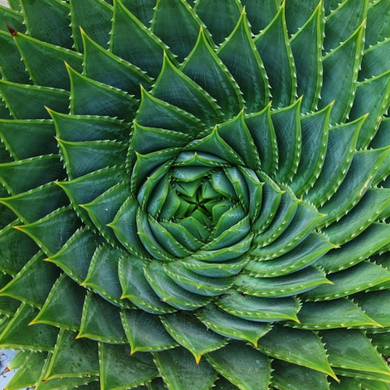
column 250, row 75
column 275, row 50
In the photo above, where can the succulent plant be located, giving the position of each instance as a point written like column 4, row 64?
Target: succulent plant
column 195, row 194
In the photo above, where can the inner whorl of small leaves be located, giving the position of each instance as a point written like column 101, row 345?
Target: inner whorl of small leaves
column 195, row 194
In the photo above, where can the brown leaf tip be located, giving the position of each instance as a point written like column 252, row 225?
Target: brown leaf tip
column 12, row 31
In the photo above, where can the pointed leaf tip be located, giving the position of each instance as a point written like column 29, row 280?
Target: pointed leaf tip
column 12, row 31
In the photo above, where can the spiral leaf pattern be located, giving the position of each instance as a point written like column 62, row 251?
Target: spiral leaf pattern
column 195, row 194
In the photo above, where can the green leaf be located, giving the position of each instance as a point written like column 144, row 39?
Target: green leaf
column 161, row 115
column 381, row 342
column 364, row 103
column 307, row 252
column 30, row 372
column 143, row 41
column 18, row 360
column 16, row 249
column 375, row 60
column 142, row 9
column 281, row 286
column 288, row 376
column 258, row 309
column 125, row 228
column 308, row 62
column 107, row 100
column 181, row 234
column 301, row 347
column 204, row 67
column 14, row 19
column 146, row 140
column 216, row 270
column 136, row 288
column 275, row 50
column 189, row 332
column 180, row 372
column 237, row 135
column 102, row 274
column 197, row 284
column 340, row 151
column 235, row 251
column 260, row 12
column 351, row 349
column 172, row 84
column 169, row 291
column 378, row 18
column 82, row 158
column 145, row 332
column 8, row 306
column 157, row 384
column 362, row 375
column 104, row 208
column 75, row 256
column 33, row 283
column 263, row 133
column 101, row 321
column 375, row 304
column 228, row 13
column 167, row 241
column 340, row 313
column 298, row 13
column 61, row 224
column 373, row 385
column 255, row 190
column 299, row 227
column 94, row 16
column 287, row 126
column 271, row 199
column 56, row 19
column 250, row 75
column 223, row 384
column 118, row 370
column 315, row 130
column 63, row 306
column 284, row 215
column 94, row 128
column 105, row 67
column 346, row 384
column 227, row 232
column 18, row 335
column 14, row 4
column 72, row 357
column 12, row 66
column 230, row 326
column 352, row 280
column 85, row 383
column 87, row 188
column 242, row 365
column 374, row 201
column 357, row 250
column 28, row 138
column 363, row 168
column 343, row 21
column 216, row 143
column 151, row 241
column 181, row 35
column 24, row 175
column 29, row 102
column 46, row 199
column 38, row 55
column 341, row 67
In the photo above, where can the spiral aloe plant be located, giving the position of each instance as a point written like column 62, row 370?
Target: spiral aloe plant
column 195, row 194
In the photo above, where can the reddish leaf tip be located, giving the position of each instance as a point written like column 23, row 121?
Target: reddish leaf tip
column 12, row 31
